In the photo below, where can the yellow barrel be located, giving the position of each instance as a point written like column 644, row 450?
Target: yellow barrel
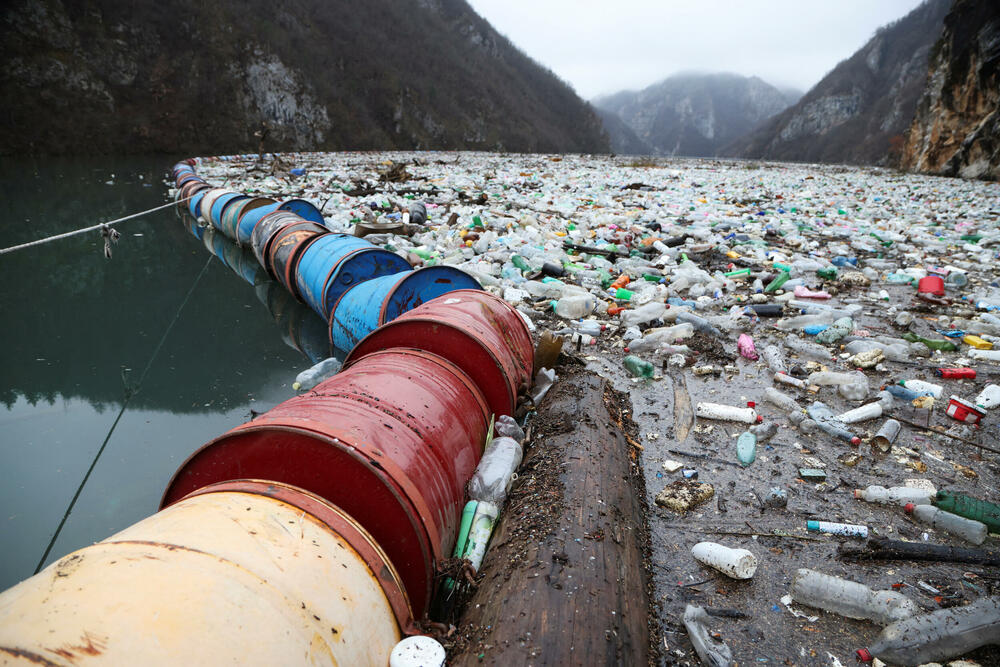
column 239, row 573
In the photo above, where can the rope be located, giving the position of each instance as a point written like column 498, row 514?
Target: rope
column 129, row 393
column 90, row 229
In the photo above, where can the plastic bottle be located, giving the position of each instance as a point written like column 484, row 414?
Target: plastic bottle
column 726, row 413
column 849, row 598
column 774, row 359
column 970, row 508
column 700, row 323
column 836, row 331
column 495, row 471
column 479, row 534
column 985, row 355
column 782, row 400
column 803, row 321
column 923, row 388
column 746, row 448
column 778, row 281
column 589, row 327
column 862, row 413
column 896, row 495
column 311, row 377
column 710, row 651
column 418, row 651
column 734, row 563
column 764, row 431
column 989, row 397
column 826, row 420
column 966, row 529
column 939, row 635
column 785, row 378
column 845, row 529
column 643, row 314
column 508, row 427
column 935, row 344
column 656, row 338
column 638, row 367
column 807, row 350
column 852, row 386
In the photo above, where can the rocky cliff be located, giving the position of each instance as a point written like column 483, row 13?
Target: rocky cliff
column 689, row 114
column 189, row 77
column 860, row 111
column 956, row 129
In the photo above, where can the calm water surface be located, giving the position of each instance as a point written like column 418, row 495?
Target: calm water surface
column 151, row 353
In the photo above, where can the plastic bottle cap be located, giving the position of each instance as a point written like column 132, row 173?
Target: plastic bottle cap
column 857, row 493
column 812, row 525
column 908, row 508
column 855, row 440
column 760, row 419
column 751, row 404
column 864, row 655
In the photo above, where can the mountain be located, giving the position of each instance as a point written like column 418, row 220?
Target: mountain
column 623, row 140
column 956, row 128
column 859, row 112
column 193, row 77
column 691, row 114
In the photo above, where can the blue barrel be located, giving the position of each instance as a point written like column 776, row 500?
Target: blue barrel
column 195, row 202
column 250, row 216
column 369, row 305
column 333, row 263
column 215, row 215
column 303, row 209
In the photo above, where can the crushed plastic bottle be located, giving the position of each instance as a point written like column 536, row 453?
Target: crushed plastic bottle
column 849, row 598
column 494, row 474
column 508, row 427
column 711, row 652
column 966, row 529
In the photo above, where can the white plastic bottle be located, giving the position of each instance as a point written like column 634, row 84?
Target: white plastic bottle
column 849, row 598
column 775, row 359
column 923, row 386
column 862, row 413
column 939, row 635
column 989, row 397
column 575, row 306
column 495, row 471
column 987, row 355
column 896, row 495
column 735, row 563
column 480, row 532
column 726, row 413
column 967, row 529
column 311, row 377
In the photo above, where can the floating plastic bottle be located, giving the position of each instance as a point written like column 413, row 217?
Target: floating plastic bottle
column 780, row 280
column 311, row 377
column 852, row 386
column 479, row 534
column 844, row 529
column 829, row 423
column 574, row 306
column 959, row 526
column 657, row 338
column 495, row 471
column 849, row 598
column 808, row 350
column 638, row 367
column 735, row 563
column 862, row 413
column 726, row 413
column 989, row 397
column 710, row 651
column 700, row 324
column 923, row 388
column 970, row 508
column 774, row 359
column 939, row 635
column 589, row 327
column 896, row 495
column 836, row 331
column 643, row 314
column 934, row 344
column 985, row 355
column 785, row 378
column 508, row 427
column 764, row 431
column 782, row 400
column 746, row 448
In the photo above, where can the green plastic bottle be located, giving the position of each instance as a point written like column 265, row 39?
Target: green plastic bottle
column 932, row 344
column 638, row 367
column 776, row 284
column 519, row 262
column 737, row 272
column 746, row 448
column 829, row 273
column 970, row 508
column 623, row 294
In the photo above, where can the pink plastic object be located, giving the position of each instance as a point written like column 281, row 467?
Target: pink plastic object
column 804, row 292
column 746, row 347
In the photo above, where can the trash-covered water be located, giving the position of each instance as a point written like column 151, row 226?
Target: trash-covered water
column 713, row 240
column 161, row 324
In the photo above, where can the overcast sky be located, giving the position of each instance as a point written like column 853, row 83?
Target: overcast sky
column 603, row 46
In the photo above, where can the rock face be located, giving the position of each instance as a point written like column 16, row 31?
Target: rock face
column 197, row 78
column 956, row 129
column 860, row 111
column 689, row 114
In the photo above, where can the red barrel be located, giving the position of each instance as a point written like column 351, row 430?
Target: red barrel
column 391, row 440
column 286, row 247
column 478, row 332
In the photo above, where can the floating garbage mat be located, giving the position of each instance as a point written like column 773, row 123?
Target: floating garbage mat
column 812, row 355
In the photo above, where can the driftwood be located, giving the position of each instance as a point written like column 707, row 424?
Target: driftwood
column 564, row 581
column 880, row 548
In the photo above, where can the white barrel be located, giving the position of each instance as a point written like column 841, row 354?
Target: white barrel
column 735, row 563
column 726, row 413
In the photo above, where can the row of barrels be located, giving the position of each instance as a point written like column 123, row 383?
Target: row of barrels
column 310, row 534
column 351, row 283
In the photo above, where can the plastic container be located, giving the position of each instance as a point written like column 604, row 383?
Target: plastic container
column 985, row 355
column 964, row 411
column 575, row 306
column 638, row 367
column 726, row 413
column 896, row 495
column 734, row 563
column 970, row 508
column 495, row 472
column 966, row 529
column 989, row 397
column 849, row 598
column 861, row 414
column 311, row 377
column 844, row 529
column 939, row 635
column 746, row 448
column 782, row 400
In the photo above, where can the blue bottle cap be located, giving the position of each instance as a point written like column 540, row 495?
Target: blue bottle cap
column 812, row 525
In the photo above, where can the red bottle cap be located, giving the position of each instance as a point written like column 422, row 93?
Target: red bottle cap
column 855, row 440
column 751, row 404
column 760, row 419
column 908, row 508
column 864, row 655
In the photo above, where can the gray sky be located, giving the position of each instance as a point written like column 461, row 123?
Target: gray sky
column 603, row 46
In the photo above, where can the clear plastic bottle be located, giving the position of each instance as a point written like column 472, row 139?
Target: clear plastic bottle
column 711, row 652
column 836, row 331
column 849, row 598
column 939, row 635
column 802, row 321
column 643, row 314
column 852, row 386
column 807, row 350
column 574, row 306
column 782, row 400
column 774, row 359
column 495, row 471
column 508, row 427
column 311, row 377
column 656, row 338
column 828, row 422
column 966, row 529
column 700, row 323
column 589, row 327
column 638, row 367
column 896, row 495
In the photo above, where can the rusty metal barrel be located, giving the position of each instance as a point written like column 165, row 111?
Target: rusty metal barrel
column 248, row 572
column 366, row 306
column 478, row 332
column 391, row 440
column 264, row 232
column 286, row 247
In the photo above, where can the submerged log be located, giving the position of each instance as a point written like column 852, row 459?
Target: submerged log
column 565, row 580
